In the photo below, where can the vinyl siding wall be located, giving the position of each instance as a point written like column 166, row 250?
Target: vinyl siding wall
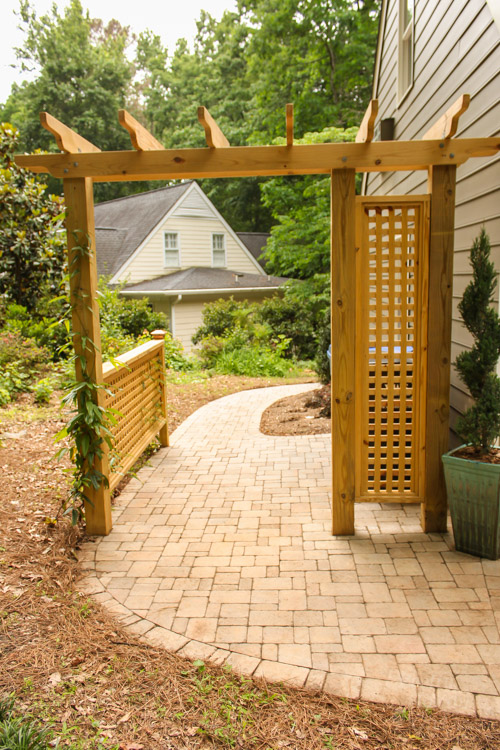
column 457, row 51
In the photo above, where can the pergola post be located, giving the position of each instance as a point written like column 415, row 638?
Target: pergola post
column 442, row 181
column 343, row 323
column 79, row 199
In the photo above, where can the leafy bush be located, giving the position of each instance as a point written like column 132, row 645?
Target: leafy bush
column 20, row 361
column 286, row 317
column 219, row 318
column 253, row 361
column 43, row 391
column 324, row 340
column 47, row 331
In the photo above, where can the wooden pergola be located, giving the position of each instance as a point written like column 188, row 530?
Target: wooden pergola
column 81, row 163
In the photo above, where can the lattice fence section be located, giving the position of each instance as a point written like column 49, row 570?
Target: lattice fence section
column 137, row 393
column 391, row 331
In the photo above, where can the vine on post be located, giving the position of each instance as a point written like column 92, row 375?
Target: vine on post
column 89, row 428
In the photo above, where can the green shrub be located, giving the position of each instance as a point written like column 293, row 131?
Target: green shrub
column 322, row 363
column 20, row 361
column 252, row 361
column 43, row 391
column 285, row 317
column 219, row 318
column 47, row 331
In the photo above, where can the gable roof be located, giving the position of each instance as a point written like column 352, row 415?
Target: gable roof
column 255, row 242
column 202, row 278
column 119, row 234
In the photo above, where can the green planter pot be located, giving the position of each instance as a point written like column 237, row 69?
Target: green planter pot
column 473, row 491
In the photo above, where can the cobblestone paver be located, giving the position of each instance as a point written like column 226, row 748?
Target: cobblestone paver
column 221, row 550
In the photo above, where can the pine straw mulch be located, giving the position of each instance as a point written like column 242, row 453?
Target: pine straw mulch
column 69, row 662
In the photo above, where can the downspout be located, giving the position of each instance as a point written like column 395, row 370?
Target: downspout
column 172, row 313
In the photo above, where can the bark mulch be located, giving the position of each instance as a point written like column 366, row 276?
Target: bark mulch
column 70, row 664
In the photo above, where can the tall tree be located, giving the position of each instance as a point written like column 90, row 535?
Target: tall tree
column 81, row 76
column 32, row 244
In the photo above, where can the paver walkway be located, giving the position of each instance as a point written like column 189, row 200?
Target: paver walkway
column 221, row 550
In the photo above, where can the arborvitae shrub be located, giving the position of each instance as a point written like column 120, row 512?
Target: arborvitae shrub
column 480, row 425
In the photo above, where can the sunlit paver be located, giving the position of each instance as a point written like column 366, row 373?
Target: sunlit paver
column 221, row 550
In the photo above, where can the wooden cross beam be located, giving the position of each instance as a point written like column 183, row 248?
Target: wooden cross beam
column 142, row 139
column 248, row 161
column 367, row 127
column 447, row 125
column 213, row 134
column 66, row 139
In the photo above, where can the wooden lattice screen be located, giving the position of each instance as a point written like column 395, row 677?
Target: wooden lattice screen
column 136, row 385
column 391, row 338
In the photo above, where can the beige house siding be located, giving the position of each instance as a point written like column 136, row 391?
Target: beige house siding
column 457, row 51
column 195, row 221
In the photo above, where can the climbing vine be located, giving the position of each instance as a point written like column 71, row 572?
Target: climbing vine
column 89, row 428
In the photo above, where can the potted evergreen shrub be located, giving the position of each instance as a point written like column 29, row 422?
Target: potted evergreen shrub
column 472, row 472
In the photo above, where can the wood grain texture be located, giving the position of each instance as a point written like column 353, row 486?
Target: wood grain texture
column 163, row 435
column 443, row 180
column 343, row 318
column 142, row 139
column 289, row 124
column 214, row 136
column 79, row 199
column 447, row 125
column 246, row 161
column 67, row 140
column 136, row 390
column 367, row 127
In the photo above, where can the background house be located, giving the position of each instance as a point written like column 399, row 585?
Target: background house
column 172, row 246
column 430, row 52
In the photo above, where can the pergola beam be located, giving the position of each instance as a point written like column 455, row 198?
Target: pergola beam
column 447, row 125
column 367, row 127
column 289, row 124
column 247, row 161
column 142, row 139
column 214, row 136
column 67, row 140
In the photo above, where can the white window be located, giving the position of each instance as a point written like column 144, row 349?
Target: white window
column 406, row 38
column 171, row 249
column 218, row 251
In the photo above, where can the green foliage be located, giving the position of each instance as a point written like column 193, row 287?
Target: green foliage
column 82, row 76
column 323, row 367
column 31, row 245
column 20, row 733
column 236, row 338
column 20, row 360
column 286, row 317
column 47, row 331
column 43, row 391
column 480, row 425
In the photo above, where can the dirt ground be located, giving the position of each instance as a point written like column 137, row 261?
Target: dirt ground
column 71, row 665
column 305, row 414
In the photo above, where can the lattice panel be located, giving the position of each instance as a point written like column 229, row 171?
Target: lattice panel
column 390, row 362
column 136, row 395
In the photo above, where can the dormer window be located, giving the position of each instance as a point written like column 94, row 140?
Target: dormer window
column 406, row 39
column 171, row 249
column 218, row 250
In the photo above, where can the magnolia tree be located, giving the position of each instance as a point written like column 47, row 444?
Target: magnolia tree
column 31, row 237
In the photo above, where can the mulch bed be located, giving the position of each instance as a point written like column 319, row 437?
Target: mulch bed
column 305, row 414
column 70, row 663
